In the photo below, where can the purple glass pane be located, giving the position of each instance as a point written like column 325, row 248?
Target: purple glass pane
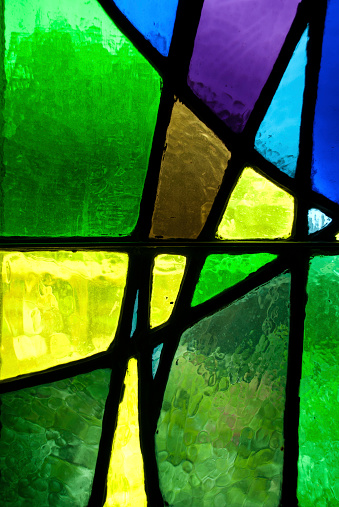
column 236, row 45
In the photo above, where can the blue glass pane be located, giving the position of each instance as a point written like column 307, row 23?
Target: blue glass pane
column 156, row 358
column 278, row 136
column 317, row 220
column 135, row 314
column 153, row 18
column 325, row 175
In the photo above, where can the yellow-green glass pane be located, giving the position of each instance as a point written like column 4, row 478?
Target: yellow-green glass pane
column 58, row 307
column 257, row 209
column 168, row 271
column 337, row 236
column 125, row 481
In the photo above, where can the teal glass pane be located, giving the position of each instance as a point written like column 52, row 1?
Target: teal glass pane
column 317, row 220
column 49, row 441
column 318, row 470
column 153, row 18
column 222, row 271
column 219, row 438
column 278, row 136
column 80, row 108
column 156, row 354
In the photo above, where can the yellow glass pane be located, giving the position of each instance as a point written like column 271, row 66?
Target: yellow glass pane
column 257, row 209
column 126, row 481
column 337, row 236
column 58, row 307
column 168, row 271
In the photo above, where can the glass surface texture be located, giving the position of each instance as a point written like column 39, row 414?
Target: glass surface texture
column 191, row 173
column 317, row 220
column 58, row 307
column 257, row 209
column 318, row 471
column 79, row 121
column 326, row 125
column 168, row 272
column 235, row 48
column 278, row 136
column 222, row 271
column 49, row 441
column 219, row 437
column 125, row 482
column 153, row 18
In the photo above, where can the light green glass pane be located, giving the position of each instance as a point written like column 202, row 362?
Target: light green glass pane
column 257, row 209
column 318, row 470
column 80, row 108
column 222, row 271
column 219, row 438
column 58, row 307
column 49, row 441
column 168, row 271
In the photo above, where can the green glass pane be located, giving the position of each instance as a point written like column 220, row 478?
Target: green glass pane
column 318, row 470
column 49, row 441
column 80, row 108
column 219, row 438
column 222, row 271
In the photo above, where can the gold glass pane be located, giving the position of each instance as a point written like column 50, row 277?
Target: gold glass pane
column 125, row 481
column 168, row 272
column 191, row 173
column 257, row 209
column 58, row 307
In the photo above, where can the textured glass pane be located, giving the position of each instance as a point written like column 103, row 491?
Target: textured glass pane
column 219, row 439
column 234, row 52
column 317, row 220
column 125, row 482
column 153, row 18
column 156, row 354
column 191, row 173
column 318, row 478
column 222, row 271
column 278, row 136
column 257, row 209
column 58, row 307
column 326, row 120
column 168, row 271
column 49, row 441
column 80, row 111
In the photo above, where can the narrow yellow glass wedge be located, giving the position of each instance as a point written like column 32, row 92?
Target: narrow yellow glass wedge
column 126, row 481
column 257, row 209
column 168, row 272
column 58, row 307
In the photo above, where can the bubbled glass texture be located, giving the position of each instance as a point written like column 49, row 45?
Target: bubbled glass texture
column 219, row 439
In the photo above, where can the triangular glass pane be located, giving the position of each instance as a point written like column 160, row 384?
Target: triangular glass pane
column 222, row 271
column 153, row 18
column 317, row 220
column 257, row 209
column 278, row 136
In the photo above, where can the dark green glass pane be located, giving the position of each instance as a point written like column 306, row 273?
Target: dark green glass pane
column 49, row 441
column 219, row 438
column 80, row 111
column 222, row 271
column 318, row 470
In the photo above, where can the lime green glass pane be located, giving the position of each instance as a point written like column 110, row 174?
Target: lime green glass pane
column 318, row 470
column 222, row 271
column 58, row 307
column 257, row 209
column 168, row 272
column 125, row 481
column 80, row 108
column 49, row 441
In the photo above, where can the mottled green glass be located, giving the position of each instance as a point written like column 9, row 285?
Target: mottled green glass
column 80, row 106
column 219, row 438
column 222, row 271
column 49, row 441
column 318, row 470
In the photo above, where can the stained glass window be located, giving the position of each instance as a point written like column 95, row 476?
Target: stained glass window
column 169, row 258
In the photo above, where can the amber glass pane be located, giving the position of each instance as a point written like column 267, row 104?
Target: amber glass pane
column 191, row 173
column 125, row 482
column 58, row 307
